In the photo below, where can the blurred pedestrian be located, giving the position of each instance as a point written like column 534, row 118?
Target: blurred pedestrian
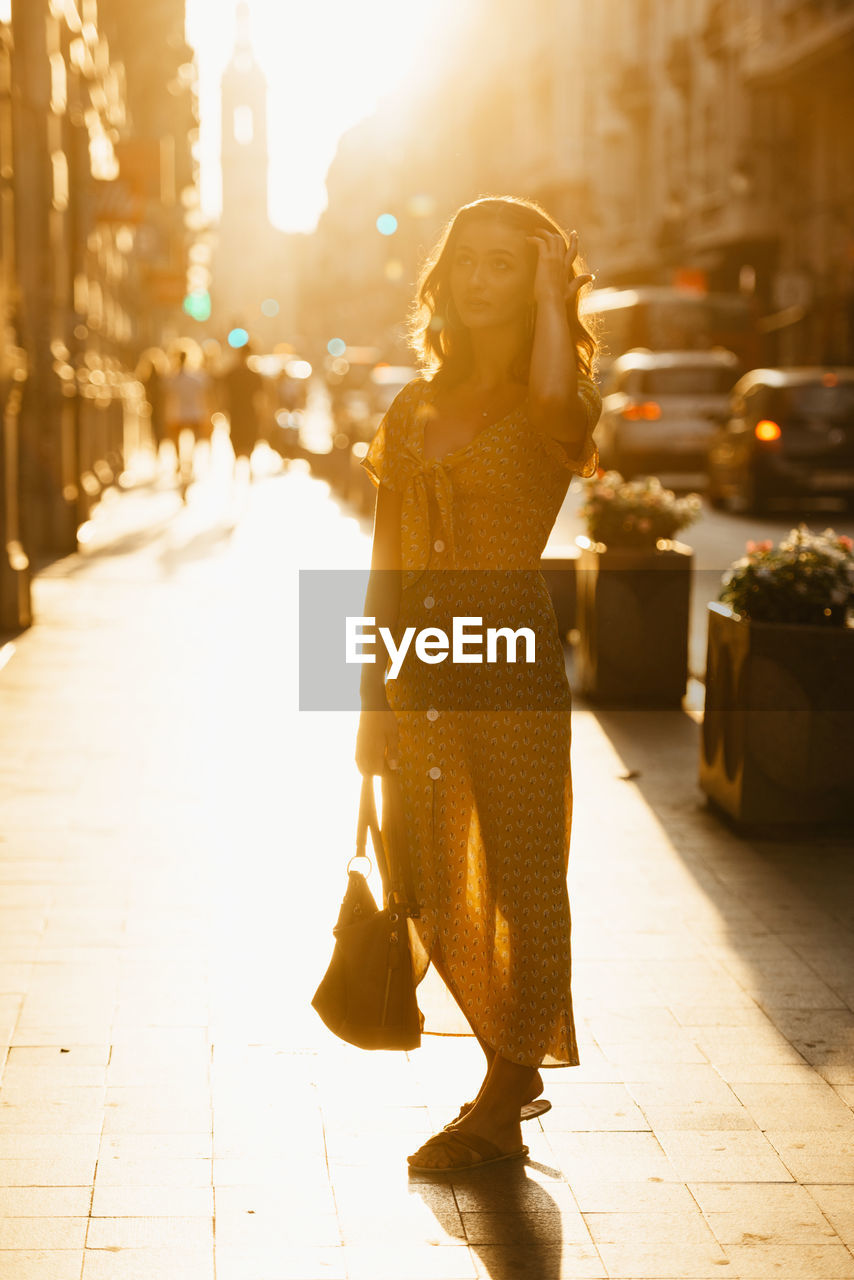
column 472, row 463
column 152, row 372
column 188, row 414
column 244, row 395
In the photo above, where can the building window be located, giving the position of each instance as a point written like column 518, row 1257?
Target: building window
column 243, row 125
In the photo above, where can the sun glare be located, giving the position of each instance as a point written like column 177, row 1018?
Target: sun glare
column 327, row 66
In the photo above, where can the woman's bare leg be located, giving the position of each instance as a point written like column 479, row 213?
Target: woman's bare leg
column 535, row 1084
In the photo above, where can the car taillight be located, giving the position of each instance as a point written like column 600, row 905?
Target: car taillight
column 649, row 411
column 767, row 430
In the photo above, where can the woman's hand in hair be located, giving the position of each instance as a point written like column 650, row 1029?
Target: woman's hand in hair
column 554, row 278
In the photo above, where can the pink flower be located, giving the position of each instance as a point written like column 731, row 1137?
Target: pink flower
column 845, row 542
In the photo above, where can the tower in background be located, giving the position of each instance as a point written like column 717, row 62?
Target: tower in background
column 253, row 284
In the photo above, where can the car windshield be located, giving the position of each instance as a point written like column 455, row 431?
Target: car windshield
column 815, row 400
column 687, row 380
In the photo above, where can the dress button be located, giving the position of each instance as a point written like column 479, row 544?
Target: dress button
column 429, row 602
column 432, row 714
column 435, row 773
column 438, row 545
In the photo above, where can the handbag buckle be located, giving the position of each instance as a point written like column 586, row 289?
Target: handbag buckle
column 359, row 857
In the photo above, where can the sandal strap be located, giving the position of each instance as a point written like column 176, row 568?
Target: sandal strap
column 470, row 1142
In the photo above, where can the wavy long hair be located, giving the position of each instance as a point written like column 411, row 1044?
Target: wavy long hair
column 436, row 334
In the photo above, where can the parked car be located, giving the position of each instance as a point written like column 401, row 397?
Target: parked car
column 660, row 409
column 366, row 406
column 789, row 433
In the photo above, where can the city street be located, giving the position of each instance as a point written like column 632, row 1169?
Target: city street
column 172, row 855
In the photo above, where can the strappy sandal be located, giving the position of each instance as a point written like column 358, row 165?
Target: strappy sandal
column 530, row 1111
column 467, row 1151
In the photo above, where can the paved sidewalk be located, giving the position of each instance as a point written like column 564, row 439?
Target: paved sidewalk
column 173, row 835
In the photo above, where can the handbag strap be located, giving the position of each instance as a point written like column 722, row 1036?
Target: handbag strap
column 389, row 843
column 368, row 821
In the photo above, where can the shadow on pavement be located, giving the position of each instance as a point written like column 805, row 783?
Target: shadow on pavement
column 510, row 1221
column 786, row 907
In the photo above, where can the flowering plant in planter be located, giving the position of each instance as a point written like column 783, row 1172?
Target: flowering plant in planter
column 635, row 513
column 807, row 578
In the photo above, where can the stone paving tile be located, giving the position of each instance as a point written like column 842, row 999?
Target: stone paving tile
column 147, row 1202
column 29, row 1080
column 815, row 1156
column 86, row 1055
column 836, row 1202
column 637, row 1259
column 293, row 1199
column 154, row 1146
column 42, row 1233
column 687, row 1086
column 86, row 1036
column 369, row 1218
column 148, row 1264
column 615, row 1155
column 678, row 1226
column 535, row 1229
column 47, row 1173
column 298, row 1264
column 738, row 1213
column 715, row 1156
column 767, row 1073
column 698, row 1117
column 746, row 1045
column 149, row 1232
column 639, row 1197
column 117, row 1171
column 795, row 1261
column 286, row 1229
column 54, row 1116
column 798, row 1106
column 620, row 1115
column 521, row 1262
column 52, row 1146
column 45, row 1202
column 41, row 1264
column 745, row 1014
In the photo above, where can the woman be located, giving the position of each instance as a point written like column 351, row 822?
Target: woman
column 472, row 466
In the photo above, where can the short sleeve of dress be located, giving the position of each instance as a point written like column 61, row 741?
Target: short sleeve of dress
column 583, row 461
column 383, row 461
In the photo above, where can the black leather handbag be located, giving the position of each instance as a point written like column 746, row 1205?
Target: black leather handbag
column 367, row 995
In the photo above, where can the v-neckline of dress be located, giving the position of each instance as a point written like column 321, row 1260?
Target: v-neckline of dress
column 463, row 448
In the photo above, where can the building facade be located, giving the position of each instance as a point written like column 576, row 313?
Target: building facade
column 92, row 215
column 701, row 139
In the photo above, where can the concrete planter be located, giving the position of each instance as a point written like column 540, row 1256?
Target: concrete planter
column 779, row 721
column 632, row 616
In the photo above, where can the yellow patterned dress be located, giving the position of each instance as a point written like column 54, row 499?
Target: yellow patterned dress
column 485, row 747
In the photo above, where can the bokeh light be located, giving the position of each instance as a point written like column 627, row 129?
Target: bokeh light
column 238, row 338
column 386, row 224
column 421, row 206
column 394, row 269
column 336, row 346
column 270, row 307
column 197, row 304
